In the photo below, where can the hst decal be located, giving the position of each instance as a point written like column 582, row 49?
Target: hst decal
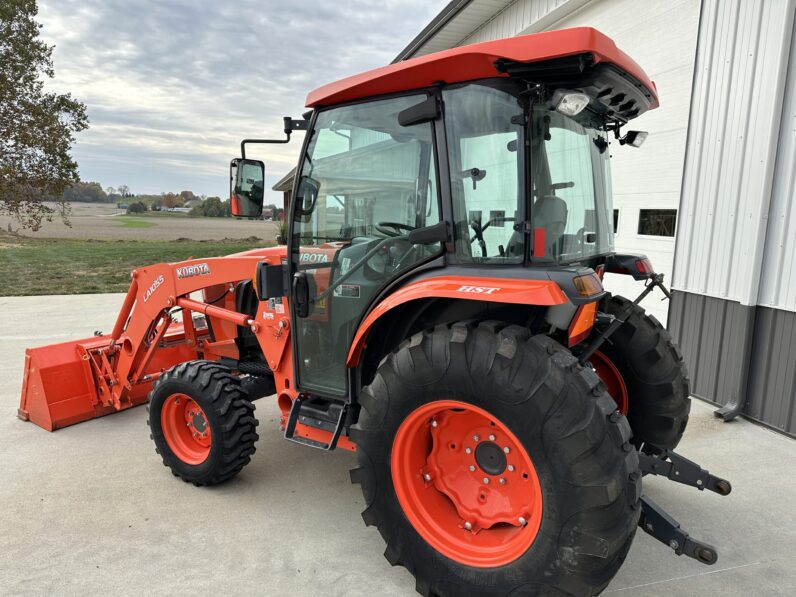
column 477, row 289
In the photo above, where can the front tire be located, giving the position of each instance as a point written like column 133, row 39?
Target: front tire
column 202, row 422
column 564, row 516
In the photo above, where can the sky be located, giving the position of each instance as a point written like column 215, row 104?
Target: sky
column 172, row 86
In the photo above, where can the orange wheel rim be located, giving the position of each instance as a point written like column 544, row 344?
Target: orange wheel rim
column 610, row 376
column 466, row 484
column 186, row 429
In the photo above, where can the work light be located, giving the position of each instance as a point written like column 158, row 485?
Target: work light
column 568, row 102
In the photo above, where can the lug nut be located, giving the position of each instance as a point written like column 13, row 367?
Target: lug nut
column 476, row 438
column 502, row 481
column 511, row 468
column 486, row 480
column 472, row 468
column 492, row 437
column 522, row 521
column 506, row 450
column 468, row 526
column 427, row 477
column 468, row 451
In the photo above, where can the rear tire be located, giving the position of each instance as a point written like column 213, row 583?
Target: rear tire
column 202, row 422
column 654, row 373
column 560, row 416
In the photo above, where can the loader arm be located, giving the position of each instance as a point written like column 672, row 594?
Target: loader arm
column 79, row 380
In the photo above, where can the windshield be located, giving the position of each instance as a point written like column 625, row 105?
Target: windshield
column 568, row 167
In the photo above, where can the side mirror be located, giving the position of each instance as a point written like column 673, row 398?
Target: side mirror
column 246, row 188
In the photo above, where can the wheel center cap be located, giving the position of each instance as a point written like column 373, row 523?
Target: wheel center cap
column 490, row 458
column 199, row 422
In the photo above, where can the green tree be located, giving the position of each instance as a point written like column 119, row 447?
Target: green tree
column 88, row 192
column 37, row 128
column 137, row 207
column 212, row 207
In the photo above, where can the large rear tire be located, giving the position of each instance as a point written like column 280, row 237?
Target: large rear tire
column 202, row 422
column 456, row 409
column 652, row 369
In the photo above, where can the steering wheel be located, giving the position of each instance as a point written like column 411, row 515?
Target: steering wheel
column 384, row 228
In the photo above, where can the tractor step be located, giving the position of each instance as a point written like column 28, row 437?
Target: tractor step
column 680, row 469
column 320, row 414
column 656, row 522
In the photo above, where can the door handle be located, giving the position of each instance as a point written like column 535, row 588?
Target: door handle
column 301, row 294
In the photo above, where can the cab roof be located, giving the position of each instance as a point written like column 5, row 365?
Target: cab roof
column 484, row 60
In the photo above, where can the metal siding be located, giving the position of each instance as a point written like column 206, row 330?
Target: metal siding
column 772, row 387
column 471, row 17
column 522, row 16
column 731, row 349
column 732, row 140
column 778, row 283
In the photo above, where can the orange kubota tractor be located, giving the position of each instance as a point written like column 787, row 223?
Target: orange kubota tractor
column 438, row 309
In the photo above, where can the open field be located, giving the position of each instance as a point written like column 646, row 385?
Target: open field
column 103, row 244
column 102, row 221
column 73, row 266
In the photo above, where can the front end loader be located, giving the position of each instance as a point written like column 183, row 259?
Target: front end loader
column 439, row 310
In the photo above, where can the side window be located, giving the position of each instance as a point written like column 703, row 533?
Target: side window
column 485, row 156
column 489, row 186
column 573, row 202
column 571, row 165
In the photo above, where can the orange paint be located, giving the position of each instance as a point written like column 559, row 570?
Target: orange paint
column 499, row 290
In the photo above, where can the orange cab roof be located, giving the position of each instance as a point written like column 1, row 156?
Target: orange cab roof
column 477, row 61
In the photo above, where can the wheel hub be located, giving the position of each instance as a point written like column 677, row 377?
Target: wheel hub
column 471, row 463
column 490, row 458
column 198, row 421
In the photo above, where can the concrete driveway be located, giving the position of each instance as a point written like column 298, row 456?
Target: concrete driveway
column 90, row 509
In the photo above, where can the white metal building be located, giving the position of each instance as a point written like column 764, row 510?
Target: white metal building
column 710, row 196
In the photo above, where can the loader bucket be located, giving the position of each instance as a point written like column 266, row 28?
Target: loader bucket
column 58, row 388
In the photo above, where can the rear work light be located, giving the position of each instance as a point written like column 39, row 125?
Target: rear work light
column 588, row 284
column 568, row 102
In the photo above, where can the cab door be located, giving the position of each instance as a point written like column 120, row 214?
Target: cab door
column 365, row 183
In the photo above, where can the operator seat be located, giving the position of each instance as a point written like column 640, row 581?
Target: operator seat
column 550, row 213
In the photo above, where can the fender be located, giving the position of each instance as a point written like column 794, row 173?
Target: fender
column 498, row 290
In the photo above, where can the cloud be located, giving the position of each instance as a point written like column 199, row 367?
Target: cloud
column 173, row 86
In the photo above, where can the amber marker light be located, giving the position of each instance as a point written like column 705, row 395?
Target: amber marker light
column 588, row 284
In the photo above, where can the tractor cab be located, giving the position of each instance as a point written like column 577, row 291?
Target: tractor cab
column 500, row 173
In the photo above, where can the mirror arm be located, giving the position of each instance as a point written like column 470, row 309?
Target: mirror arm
column 291, row 125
